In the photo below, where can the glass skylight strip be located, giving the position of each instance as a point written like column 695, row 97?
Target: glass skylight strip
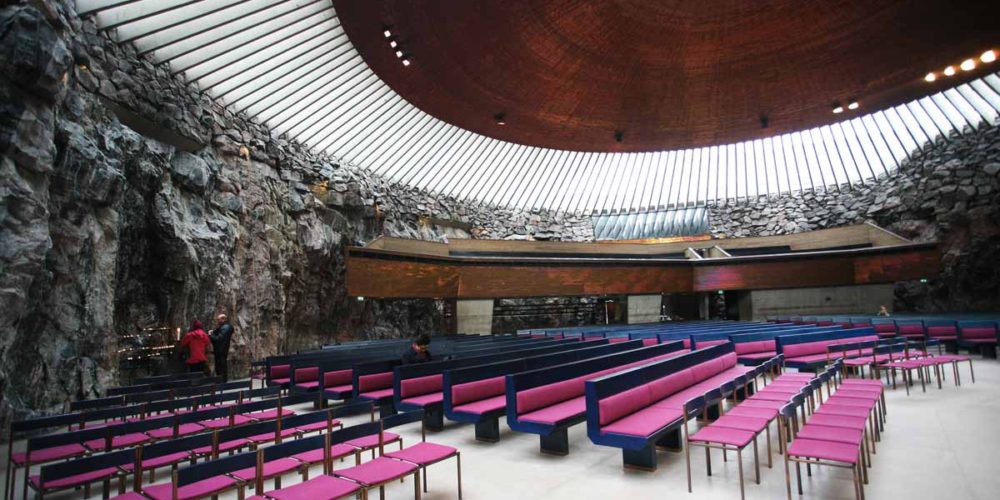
column 289, row 64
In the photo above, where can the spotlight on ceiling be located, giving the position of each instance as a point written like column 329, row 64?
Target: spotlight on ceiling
column 406, row 61
column 852, row 105
column 968, row 65
column 988, row 56
column 500, row 119
column 930, row 77
column 619, row 135
column 393, row 43
column 387, row 33
column 399, row 53
column 949, row 71
column 837, row 108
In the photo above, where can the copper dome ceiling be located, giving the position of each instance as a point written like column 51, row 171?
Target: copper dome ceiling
column 669, row 74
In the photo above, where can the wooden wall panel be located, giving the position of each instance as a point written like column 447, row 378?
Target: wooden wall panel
column 400, row 278
column 547, row 281
column 776, row 274
column 381, row 273
column 897, row 267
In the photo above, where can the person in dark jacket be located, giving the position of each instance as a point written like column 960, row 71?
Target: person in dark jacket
column 196, row 341
column 221, row 337
column 418, row 351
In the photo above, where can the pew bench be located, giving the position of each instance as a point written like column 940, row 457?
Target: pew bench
column 548, row 402
column 641, row 409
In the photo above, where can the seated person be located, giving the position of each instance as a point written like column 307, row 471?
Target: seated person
column 418, row 351
column 883, row 311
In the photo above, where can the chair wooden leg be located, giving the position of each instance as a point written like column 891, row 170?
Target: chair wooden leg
column 767, row 433
column 687, row 460
column 739, row 460
column 788, row 475
column 798, row 476
column 458, row 461
column 756, row 461
column 416, row 484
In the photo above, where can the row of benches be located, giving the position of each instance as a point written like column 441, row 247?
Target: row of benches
column 979, row 335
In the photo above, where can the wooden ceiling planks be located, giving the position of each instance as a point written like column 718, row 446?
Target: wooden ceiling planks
column 670, row 74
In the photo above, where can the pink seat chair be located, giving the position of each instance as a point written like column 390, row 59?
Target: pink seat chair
column 719, row 437
column 422, row 454
column 826, row 447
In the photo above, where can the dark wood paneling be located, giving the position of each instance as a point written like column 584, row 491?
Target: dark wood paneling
column 542, row 281
column 793, row 273
column 669, row 73
column 381, row 273
column 400, row 278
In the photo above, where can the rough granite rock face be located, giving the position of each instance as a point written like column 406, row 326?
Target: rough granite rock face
column 105, row 230
column 129, row 199
column 947, row 191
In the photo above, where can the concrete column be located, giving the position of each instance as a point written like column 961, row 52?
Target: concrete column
column 644, row 308
column 475, row 316
column 703, row 306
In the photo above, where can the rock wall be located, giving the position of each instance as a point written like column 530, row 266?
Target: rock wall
column 947, row 191
column 129, row 200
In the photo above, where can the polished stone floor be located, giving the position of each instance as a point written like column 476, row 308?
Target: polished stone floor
column 942, row 444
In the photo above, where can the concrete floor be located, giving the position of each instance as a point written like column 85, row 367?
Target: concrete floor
column 942, row 444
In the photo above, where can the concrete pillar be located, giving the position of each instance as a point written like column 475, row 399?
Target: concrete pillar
column 644, row 308
column 475, row 316
column 703, row 306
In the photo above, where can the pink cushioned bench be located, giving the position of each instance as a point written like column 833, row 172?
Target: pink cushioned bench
column 754, row 353
column 548, row 401
column 978, row 335
column 280, row 375
column 642, row 408
column 810, row 350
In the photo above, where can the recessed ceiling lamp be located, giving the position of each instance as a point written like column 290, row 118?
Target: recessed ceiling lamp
column 949, row 71
column 500, row 119
column 988, row 56
column 399, row 53
column 837, row 108
column 387, row 33
column 852, row 105
column 393, row 43
column 406, row 61
column 930, row 77
column 968, row 65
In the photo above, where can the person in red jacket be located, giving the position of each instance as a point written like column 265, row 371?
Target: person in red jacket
column 196, row 341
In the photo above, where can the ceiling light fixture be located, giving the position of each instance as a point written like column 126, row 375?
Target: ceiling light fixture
column 968, row 65
column 392, row 43
column 930, row 77
column 500, row 118
column 387, row 33
column 399, row 53
column 853, row 105
column 406, row 61
column 949, row 71
column 837, row 108
column 988, row 56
